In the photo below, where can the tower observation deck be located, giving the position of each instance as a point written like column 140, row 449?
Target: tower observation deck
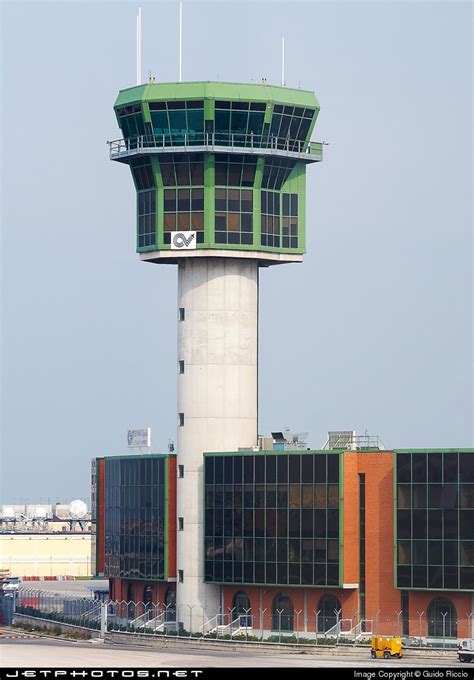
column 220, row 174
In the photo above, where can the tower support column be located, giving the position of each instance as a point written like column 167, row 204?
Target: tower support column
column 217, row 402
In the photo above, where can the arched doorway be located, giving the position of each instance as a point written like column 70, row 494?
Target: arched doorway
column 241, row 609
column 441, row 609
column 170, row 605
column 328, row 606
column 282, row 612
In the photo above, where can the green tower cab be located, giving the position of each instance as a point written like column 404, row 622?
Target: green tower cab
column 219, row 166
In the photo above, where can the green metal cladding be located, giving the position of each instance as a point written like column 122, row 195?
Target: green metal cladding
column 228, row 162
column 216, row 90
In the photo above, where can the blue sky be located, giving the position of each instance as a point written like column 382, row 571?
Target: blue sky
column 372, row 332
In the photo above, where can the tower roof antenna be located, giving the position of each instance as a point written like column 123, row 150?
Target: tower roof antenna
column 139, row 46
column 180, row 41
column 283, row 61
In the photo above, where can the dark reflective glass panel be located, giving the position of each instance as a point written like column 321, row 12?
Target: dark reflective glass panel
column 176, row 123
column 135, row 518
column 435, row 519
column 270, row 517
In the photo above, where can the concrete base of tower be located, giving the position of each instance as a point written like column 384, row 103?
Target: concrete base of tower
column 198, row 604
column 217, row 403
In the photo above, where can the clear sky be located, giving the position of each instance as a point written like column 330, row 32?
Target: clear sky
column 372, row 332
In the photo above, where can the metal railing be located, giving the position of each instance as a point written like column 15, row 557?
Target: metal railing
column 213, row 624
column 341, row 628
column 362, row 442
column 211, row 141
column 362, row 629
column 230, row 628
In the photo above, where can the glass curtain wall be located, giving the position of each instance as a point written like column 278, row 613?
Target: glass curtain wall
column 177, row 123
column 239, row 123
column 435, row 520
column 234, row 178
column 183, row 189
column 272, row 519
column 135, row 518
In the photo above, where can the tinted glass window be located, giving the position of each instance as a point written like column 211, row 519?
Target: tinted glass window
column 134, row 518
column 435, row 519
column 274, row 521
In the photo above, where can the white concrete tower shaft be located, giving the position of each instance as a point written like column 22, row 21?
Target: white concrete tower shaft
column 217, row 401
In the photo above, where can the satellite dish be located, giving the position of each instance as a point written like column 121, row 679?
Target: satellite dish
column 77, row 509
column 40, row 513
column 8, row 513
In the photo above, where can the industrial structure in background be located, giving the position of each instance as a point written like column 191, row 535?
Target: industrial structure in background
column 45, row 540
column 235, row 530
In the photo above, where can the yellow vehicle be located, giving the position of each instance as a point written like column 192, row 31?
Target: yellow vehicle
column 386, row 647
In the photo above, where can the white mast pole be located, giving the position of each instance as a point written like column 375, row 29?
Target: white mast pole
column 139, row 46
column 136, row 51
column 180, row 41
column 140, row 50
column 283, row 62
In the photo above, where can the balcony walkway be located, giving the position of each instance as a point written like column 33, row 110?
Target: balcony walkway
column 124, row 149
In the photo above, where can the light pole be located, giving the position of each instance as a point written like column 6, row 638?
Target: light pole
column 103, row 619
column 262, row 612
column 300, row 611
column 338, row 625
column 316, row 616
column 279, row 612
column 247, row 617
column 354, row 625
column 420, row 614
column 231, row 615
column 398, row 621
column 444, row 615
column 376, row 620
column 191, row 607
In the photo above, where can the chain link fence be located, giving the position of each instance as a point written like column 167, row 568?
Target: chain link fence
column 60, row 608
column 281, row 626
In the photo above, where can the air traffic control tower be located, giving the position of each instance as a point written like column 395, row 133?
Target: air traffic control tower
column 220, row 174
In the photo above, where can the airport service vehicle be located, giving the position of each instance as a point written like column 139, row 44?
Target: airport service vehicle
column 10, row 583
column 466, row 650
column 386, row 647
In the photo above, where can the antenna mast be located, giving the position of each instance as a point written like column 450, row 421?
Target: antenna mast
column 139, row 46
column 180, row 41
column 283, row 62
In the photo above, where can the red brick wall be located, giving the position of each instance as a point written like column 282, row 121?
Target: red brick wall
column 262, row 598
column 381, row 595
column 419, row 601
column 119, row 590
column 351, row 519
column 382, row 599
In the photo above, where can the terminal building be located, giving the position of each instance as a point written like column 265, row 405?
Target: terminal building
column 234, row 524
column 303, row 540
